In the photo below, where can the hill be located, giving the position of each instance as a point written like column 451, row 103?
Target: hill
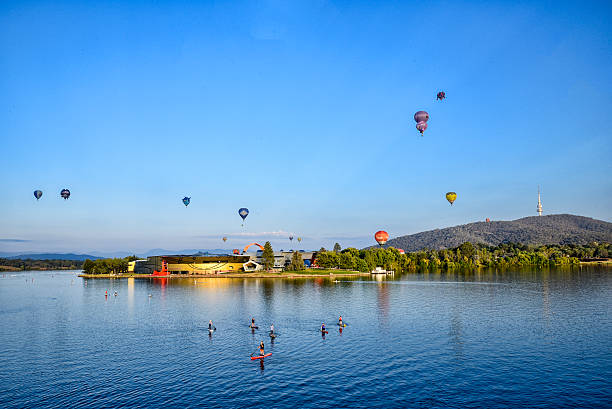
column 535, row 230
column 54, row 256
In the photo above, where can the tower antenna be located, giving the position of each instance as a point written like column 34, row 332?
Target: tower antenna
column 539, row 203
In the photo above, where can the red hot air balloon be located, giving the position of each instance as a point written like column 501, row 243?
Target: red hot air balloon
column 441, row 95
column 381, row 237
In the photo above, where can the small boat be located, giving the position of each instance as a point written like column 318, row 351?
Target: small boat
column 261, row 356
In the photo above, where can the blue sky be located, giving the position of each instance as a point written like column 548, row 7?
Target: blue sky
column 300, row 111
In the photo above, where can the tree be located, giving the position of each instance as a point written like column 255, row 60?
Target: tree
column 467, row 250
column 88, row 266
column 297, row 263
column 337, row 248
column 268, row 256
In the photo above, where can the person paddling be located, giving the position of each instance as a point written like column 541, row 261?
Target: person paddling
column 252, row 322
column 272, row 329
column 261, row 349
column 340, row 321
column 210, row 325
column 323, row 327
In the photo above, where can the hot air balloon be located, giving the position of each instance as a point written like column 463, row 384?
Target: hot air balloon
column 299, row 239
column 290, row 238
column 451, row 196
column 236, row 251
column 421, row 118
column 421, row 126
column 224, row 239
column 243, row 212
column 186, row 201
column 65, row 193
column 441, row 95
column 381, row 237
column 38, row 194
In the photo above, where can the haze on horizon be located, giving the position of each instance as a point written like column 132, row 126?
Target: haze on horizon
column 300, row 111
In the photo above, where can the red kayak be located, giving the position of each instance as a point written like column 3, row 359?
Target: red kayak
column 262, row 356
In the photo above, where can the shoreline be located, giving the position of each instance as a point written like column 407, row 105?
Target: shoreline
column 235, row 275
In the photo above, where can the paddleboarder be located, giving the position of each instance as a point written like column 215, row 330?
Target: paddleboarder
column 340, row 321
column 210, row 325
column 323, row 327
column 272, row 329
column 252, row 322
column 261, row 349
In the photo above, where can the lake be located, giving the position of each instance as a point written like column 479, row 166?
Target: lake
column 529, row 338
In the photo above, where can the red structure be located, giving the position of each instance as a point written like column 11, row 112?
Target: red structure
column 252, row 244
column 164, row 270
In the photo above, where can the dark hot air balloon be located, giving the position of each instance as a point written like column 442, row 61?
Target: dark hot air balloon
column 290, row 238
column 65, row 193
column 243, row 212
column 451, row 197
column 381, row 237
column 441, row 95
column 38, row 194
column 186, row 201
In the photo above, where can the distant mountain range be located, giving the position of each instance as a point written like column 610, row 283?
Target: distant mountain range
column 53, row 256
column 535, row 230
column 120, row 254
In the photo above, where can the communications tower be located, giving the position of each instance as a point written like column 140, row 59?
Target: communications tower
column 539, row 203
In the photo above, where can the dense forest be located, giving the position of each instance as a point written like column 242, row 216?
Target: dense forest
column 467, row 255
column 558, row 229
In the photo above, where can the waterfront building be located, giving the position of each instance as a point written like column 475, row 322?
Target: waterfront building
column 214, row 264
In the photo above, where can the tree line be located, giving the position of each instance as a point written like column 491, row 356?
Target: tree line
column 29, row 264
column 107, row 265
column 467, row 255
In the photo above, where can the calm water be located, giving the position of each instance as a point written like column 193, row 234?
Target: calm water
column 542, row 339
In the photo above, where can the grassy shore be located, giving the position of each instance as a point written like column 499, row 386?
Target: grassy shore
column 285, row 274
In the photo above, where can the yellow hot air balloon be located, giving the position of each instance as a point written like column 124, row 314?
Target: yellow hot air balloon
column 451, row 196
column 225, row 239
column 299, row 239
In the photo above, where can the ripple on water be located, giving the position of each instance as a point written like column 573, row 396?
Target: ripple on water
column 421, row 341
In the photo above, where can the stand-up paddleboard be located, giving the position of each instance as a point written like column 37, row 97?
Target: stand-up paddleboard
column 272, row 335
column 261, row 356
column 324, row 332
column 341, row 325
column 211, row 330
column 253, row 327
